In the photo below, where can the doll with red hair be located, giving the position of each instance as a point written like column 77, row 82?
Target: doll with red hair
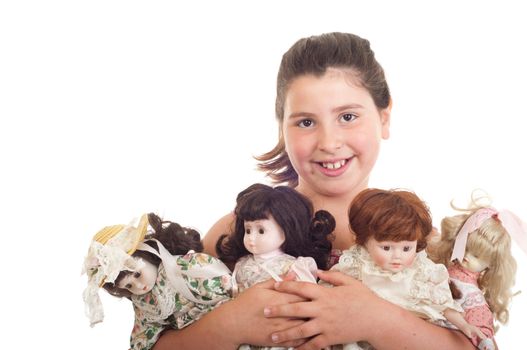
column 391, row 229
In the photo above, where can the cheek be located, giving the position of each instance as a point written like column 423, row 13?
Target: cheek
column 380, row 259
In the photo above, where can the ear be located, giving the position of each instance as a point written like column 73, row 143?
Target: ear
column 385, row 121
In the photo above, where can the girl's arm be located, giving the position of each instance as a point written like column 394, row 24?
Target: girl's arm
column 239, row 321
column 350, row 312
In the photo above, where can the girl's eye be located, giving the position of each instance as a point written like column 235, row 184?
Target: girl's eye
column 386, row 247
column 348, row 117
column 305, row 123
column 261, row 231
column 137, row 274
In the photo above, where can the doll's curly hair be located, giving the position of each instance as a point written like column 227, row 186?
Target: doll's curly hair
column 176, row 239
column 306, row 233
column 389, row 215
column 490, row 241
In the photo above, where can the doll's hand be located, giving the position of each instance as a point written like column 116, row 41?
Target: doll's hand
column 253, row 327
column 473, row 332
column 336, row 315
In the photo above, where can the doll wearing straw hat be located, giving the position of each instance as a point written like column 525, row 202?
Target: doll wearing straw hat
column 169, row 284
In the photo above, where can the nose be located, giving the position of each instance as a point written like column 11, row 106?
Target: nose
column 396, row 254
column 329, row 138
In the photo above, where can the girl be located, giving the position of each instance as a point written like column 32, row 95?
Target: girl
column 333, row 109
column 166, row 291
column 391, row 229
column 276, row 232
column 476, row 248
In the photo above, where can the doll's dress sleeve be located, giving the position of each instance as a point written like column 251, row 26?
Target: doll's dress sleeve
column 430, row 293
column 477, row 310
column 305, row 269
column 165, row 308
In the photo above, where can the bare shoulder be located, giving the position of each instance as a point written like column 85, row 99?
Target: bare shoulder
column 222, row 226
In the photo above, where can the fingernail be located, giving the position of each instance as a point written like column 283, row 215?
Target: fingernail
column 277, row 285
column 274, row 338
column 267, row 311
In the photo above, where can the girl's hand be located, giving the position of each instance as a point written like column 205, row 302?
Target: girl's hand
column 251, row 325
column 336, row 315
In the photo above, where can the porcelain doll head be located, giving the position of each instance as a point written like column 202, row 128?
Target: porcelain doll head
column 176, row 239
column 115, row 263
column 286, row 214
column 263, row 237
column 487, row 251
column 391, row 224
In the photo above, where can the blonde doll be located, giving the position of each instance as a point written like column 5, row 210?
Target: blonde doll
column 169, row 283
column 391, row 228
column 476, row 248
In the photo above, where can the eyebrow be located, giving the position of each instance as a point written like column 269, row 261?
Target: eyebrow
column 334, row 110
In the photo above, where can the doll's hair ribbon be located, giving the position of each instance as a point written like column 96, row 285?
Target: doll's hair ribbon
column 516, row 228
column 175, row 272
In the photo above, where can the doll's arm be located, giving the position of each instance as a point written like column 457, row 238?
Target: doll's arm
column 350, row 312
column 239, row 321
column 456, row 318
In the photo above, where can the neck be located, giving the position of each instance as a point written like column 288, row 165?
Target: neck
column 268, row 255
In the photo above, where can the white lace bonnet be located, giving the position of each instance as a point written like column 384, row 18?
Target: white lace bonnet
column 110, row 253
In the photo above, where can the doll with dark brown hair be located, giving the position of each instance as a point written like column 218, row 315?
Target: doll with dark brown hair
column 391, row 228
column 276, row 231
column 170, row 283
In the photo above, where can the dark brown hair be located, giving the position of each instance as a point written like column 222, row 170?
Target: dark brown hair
column 394, row 215
column 306, row 233
column 314, row 55
column 176, row 239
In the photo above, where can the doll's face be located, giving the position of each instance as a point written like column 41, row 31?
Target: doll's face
column 141, row 281
column 263, row 237
column 392, row 256
column 474, row 263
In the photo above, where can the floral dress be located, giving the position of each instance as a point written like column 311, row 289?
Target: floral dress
column 164, row 307
column 421, row 288
column 477, row 310
column 250, row 270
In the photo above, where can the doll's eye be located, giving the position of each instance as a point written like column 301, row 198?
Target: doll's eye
column 406, row 249
column 137, row 274
column 386, row 247
column 248, row 231
column 128, row 286
column 261, row 231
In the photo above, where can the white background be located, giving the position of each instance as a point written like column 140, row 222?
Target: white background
column 109, row 109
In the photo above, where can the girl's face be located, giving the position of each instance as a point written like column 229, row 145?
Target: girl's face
column 332, row 132
column 392, row 256
column 140, row 282
column 263, row 237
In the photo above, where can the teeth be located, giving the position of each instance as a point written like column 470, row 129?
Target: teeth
column 335, row 165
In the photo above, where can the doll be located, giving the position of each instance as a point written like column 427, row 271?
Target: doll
column 476, row 248
column 169, row 284
column 276, row 232
column 391, row 229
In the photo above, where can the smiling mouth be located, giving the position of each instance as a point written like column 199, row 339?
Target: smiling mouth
column 334, row 165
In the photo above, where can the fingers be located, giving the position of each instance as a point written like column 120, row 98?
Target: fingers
column 305, row 290
column 295, row 334
column 336, row 278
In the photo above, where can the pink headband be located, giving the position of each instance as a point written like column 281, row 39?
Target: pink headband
column 514, row 226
